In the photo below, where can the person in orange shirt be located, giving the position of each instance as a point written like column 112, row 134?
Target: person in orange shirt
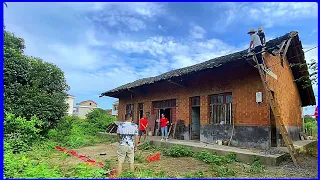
column 164, row 127
column 143, row 128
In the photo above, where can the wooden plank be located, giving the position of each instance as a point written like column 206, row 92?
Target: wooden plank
column 270, row 73
column 174, row 130
column 170, row 130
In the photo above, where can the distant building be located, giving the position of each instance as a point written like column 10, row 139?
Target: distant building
column 115, row 106
column 108, row 111
column 85, row 107
column 70, row 101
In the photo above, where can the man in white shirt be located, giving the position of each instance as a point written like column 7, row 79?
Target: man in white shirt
column 256, row 45
column 128, row 136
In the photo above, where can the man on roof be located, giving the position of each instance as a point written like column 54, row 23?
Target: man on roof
column 262, row 37
column 255, row 45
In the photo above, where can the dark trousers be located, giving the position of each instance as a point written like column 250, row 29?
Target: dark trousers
column 258, row 53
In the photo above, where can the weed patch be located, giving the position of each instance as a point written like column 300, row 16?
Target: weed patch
column 178, row 151
column 256, row 166
column 224, row 171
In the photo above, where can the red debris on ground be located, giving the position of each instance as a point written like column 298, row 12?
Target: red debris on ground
column 155, row 157
column 84, row 158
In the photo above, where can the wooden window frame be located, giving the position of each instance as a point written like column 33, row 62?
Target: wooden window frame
column 220, row 107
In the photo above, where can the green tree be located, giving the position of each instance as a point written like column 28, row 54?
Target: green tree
column 100, row 118
column 31, row 86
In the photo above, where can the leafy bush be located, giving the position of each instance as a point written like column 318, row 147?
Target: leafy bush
column 178, row 151
column 139, row 158
column 36, row 169
column 231, row 157
column 87, row 171
column 210, row 158
column 74, row 132
column 100, row 119
column 147, row 146
column 224, row 171
column 31, row 86
column 23, row 165
column 21, row 133
column 311, row 126
column 256, row 166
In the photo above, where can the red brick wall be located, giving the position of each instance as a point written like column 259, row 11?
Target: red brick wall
column 243, row 82
column 285, row 90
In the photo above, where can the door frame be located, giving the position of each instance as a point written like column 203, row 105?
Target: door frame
column 194, row 104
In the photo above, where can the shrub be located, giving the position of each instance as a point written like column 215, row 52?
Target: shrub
column 87, row 171
column 178, row 151
column 210, row 158
column 231, row 157
column 21, row 133
column 22, row 165
column 311, row 126
column 74, row 132
column 146, row 146
column 256, row 166
column 224, row 171
column 100, row 119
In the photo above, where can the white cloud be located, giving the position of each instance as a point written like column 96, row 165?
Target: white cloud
column 92, row 38
column 134, row 16
column 197, row 32
column 268, row 14
column 181, row 53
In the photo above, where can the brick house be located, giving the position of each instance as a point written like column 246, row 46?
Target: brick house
column 217, row 99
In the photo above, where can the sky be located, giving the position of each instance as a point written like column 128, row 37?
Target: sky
column 101, row 46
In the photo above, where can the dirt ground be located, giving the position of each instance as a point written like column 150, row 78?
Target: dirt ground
column 178, row 167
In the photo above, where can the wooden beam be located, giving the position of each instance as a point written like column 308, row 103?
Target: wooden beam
column 285, row 51
column 177, row 84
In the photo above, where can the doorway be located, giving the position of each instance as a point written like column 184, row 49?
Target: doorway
column 273, row 127
column 140, row 106
column 195, row 118
column 166, row 113
column 166, row 107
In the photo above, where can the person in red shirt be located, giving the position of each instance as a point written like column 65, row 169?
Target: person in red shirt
column 143, row 128
column 164, row 127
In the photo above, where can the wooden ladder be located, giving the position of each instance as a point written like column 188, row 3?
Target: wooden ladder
column 276, row 113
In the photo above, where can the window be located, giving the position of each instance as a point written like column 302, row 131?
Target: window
column 115, row 108
column 195, row 101
column 164, row 104
column 221, row 108
column 90, row 104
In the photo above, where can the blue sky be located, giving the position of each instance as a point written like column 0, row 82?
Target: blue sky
column 101, row 46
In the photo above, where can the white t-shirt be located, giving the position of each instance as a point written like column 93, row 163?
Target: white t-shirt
column 127, row 131
column 256, row 40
